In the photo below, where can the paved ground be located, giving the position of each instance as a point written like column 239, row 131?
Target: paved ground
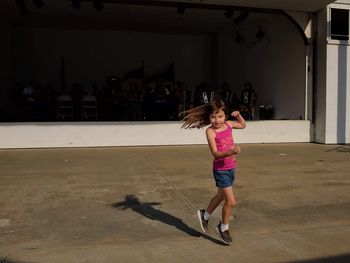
column 137, row 204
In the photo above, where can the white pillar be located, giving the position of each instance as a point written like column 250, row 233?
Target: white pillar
column 333, row 98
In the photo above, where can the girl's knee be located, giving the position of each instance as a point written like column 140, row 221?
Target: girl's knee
column 230, row 203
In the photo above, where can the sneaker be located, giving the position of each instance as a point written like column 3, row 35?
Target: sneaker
column 202, row 221
column 225, row 236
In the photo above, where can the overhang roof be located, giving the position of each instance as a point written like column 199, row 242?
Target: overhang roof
column 291, row 5
column 201, row 16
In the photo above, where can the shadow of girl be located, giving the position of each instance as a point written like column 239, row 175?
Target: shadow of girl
column 146, row 209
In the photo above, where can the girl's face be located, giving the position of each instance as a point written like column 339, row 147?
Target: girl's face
column 217, row 119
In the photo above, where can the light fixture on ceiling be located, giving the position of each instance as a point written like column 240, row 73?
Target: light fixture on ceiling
column 22, row 7
column 260, row 33
column 239, row 19
column 239, row 38
column 38, row 3
column 180, row 9
column 228, row 12
column 76, row 4
column 98, row 5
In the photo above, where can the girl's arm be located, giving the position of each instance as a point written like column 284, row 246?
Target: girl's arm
column 240, row 123
column 212, row 145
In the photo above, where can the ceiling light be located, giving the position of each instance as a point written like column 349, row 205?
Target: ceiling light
column 98, row 5
column 238, row 38
column 180, row 10
column 22, row 7
column 229, row 12
column 240, row 18
column 38, row 3
column 76, row 4
column 260, row 33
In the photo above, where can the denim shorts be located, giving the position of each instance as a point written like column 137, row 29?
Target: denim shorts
column 224, row 178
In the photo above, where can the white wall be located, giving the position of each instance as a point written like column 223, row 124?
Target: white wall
column 275, row 66
column 41, row 135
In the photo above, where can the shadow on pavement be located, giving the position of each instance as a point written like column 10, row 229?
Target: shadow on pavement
column 345, row 148
column 146, row 209
column 7, row 260
column 333, row 259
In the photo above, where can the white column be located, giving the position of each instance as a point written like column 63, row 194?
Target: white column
column 337, row 94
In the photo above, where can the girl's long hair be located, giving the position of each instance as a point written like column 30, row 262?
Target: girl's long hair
column 199, row 117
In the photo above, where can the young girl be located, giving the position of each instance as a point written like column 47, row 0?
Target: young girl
column 224, row 150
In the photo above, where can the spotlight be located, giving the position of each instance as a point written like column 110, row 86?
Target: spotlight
column 76, row 4
column 98, row 5
column 238, row 38
column 240, row 18
column 260, row 33
column 180, row 10
column 229, row 12
column 38, row 3
column 22, row 7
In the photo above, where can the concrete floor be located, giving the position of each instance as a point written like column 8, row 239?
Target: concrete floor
column 137, row 204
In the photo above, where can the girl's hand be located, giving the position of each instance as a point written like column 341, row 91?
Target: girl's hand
column 239, row 123
column 236, row 149
column 235, row 114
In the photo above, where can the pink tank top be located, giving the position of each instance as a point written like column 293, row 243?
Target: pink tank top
column 224, row 142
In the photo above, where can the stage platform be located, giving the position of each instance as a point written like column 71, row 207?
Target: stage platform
column 100, row 134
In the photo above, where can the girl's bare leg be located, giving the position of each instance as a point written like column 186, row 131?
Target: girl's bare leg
column 230, row 201
column 215, row 201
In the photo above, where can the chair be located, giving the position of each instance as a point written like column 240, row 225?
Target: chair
column 64, row 107
column 89, row 108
